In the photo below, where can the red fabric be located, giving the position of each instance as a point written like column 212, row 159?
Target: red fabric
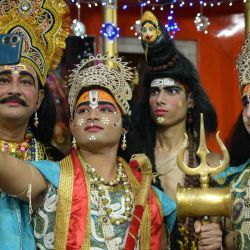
column 156, row 222
column 134, row 164
column 79, row 209
column 156, row 219
column 79, row 213
column 134, row 227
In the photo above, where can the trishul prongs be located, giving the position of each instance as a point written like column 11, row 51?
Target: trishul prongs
column 203, row 170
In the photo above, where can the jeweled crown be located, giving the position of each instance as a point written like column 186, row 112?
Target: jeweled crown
column 43, row 26
column 243, row 64
column 106, row 71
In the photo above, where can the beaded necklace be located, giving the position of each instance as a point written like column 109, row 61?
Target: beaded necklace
column 98, row 184
column 26, row 150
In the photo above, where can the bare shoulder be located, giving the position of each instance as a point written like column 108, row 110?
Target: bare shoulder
column 214, row 159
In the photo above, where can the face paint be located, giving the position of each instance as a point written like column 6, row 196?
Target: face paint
column 180, row 103
column 105, row 120
column 15, row 68
column 246, row 90
column 245, row 119
column 92, row 138
column 160, row 120
column 118, row 123
column 95, row 98
column 95, row 114
column 21, row 68
column 162, row 82
column 80, row 122
column 149, row 33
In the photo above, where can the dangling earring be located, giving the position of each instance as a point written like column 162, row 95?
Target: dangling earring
column 36, row 121
column 124, row 142
column 74, row 145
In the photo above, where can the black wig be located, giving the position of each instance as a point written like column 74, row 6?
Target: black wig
column 47, row 118
column 165, row 61
column 239, row 144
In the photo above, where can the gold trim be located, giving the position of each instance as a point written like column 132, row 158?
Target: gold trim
column 159, row 203
column 145, row 229
column 43, row 27
column 132, row 179
column 86, row 242
column 64, row 203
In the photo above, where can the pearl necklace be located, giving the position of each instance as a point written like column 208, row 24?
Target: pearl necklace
column 97, row 183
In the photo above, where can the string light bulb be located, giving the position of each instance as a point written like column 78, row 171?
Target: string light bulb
column 77, row 26
column 202, row 23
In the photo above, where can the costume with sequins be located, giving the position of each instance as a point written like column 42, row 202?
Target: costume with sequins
column 239, row 177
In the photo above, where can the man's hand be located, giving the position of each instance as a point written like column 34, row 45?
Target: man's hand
column 209, row 235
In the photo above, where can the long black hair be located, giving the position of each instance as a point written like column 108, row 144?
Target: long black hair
column 143, row 128
column 239, row 143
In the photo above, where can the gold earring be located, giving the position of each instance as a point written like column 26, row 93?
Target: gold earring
column 124, row 142
column 74, row 145
column 36, row 121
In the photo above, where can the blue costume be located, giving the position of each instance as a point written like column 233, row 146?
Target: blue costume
column 239, row 179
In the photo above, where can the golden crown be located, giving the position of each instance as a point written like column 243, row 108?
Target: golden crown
column 243, row 64
column 105, row 71
column 43, row 26
column 149, row 16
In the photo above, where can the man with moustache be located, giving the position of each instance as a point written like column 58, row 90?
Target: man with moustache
column 93, row 199
column 27, row 110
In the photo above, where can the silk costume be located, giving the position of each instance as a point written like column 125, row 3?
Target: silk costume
column 75, row 227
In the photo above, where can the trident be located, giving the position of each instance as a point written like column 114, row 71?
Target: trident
column 203, row 201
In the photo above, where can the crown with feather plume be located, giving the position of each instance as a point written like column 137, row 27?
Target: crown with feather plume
column 43, row 26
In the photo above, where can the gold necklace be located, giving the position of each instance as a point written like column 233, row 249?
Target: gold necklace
column 106, row 182
column 98, row 185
